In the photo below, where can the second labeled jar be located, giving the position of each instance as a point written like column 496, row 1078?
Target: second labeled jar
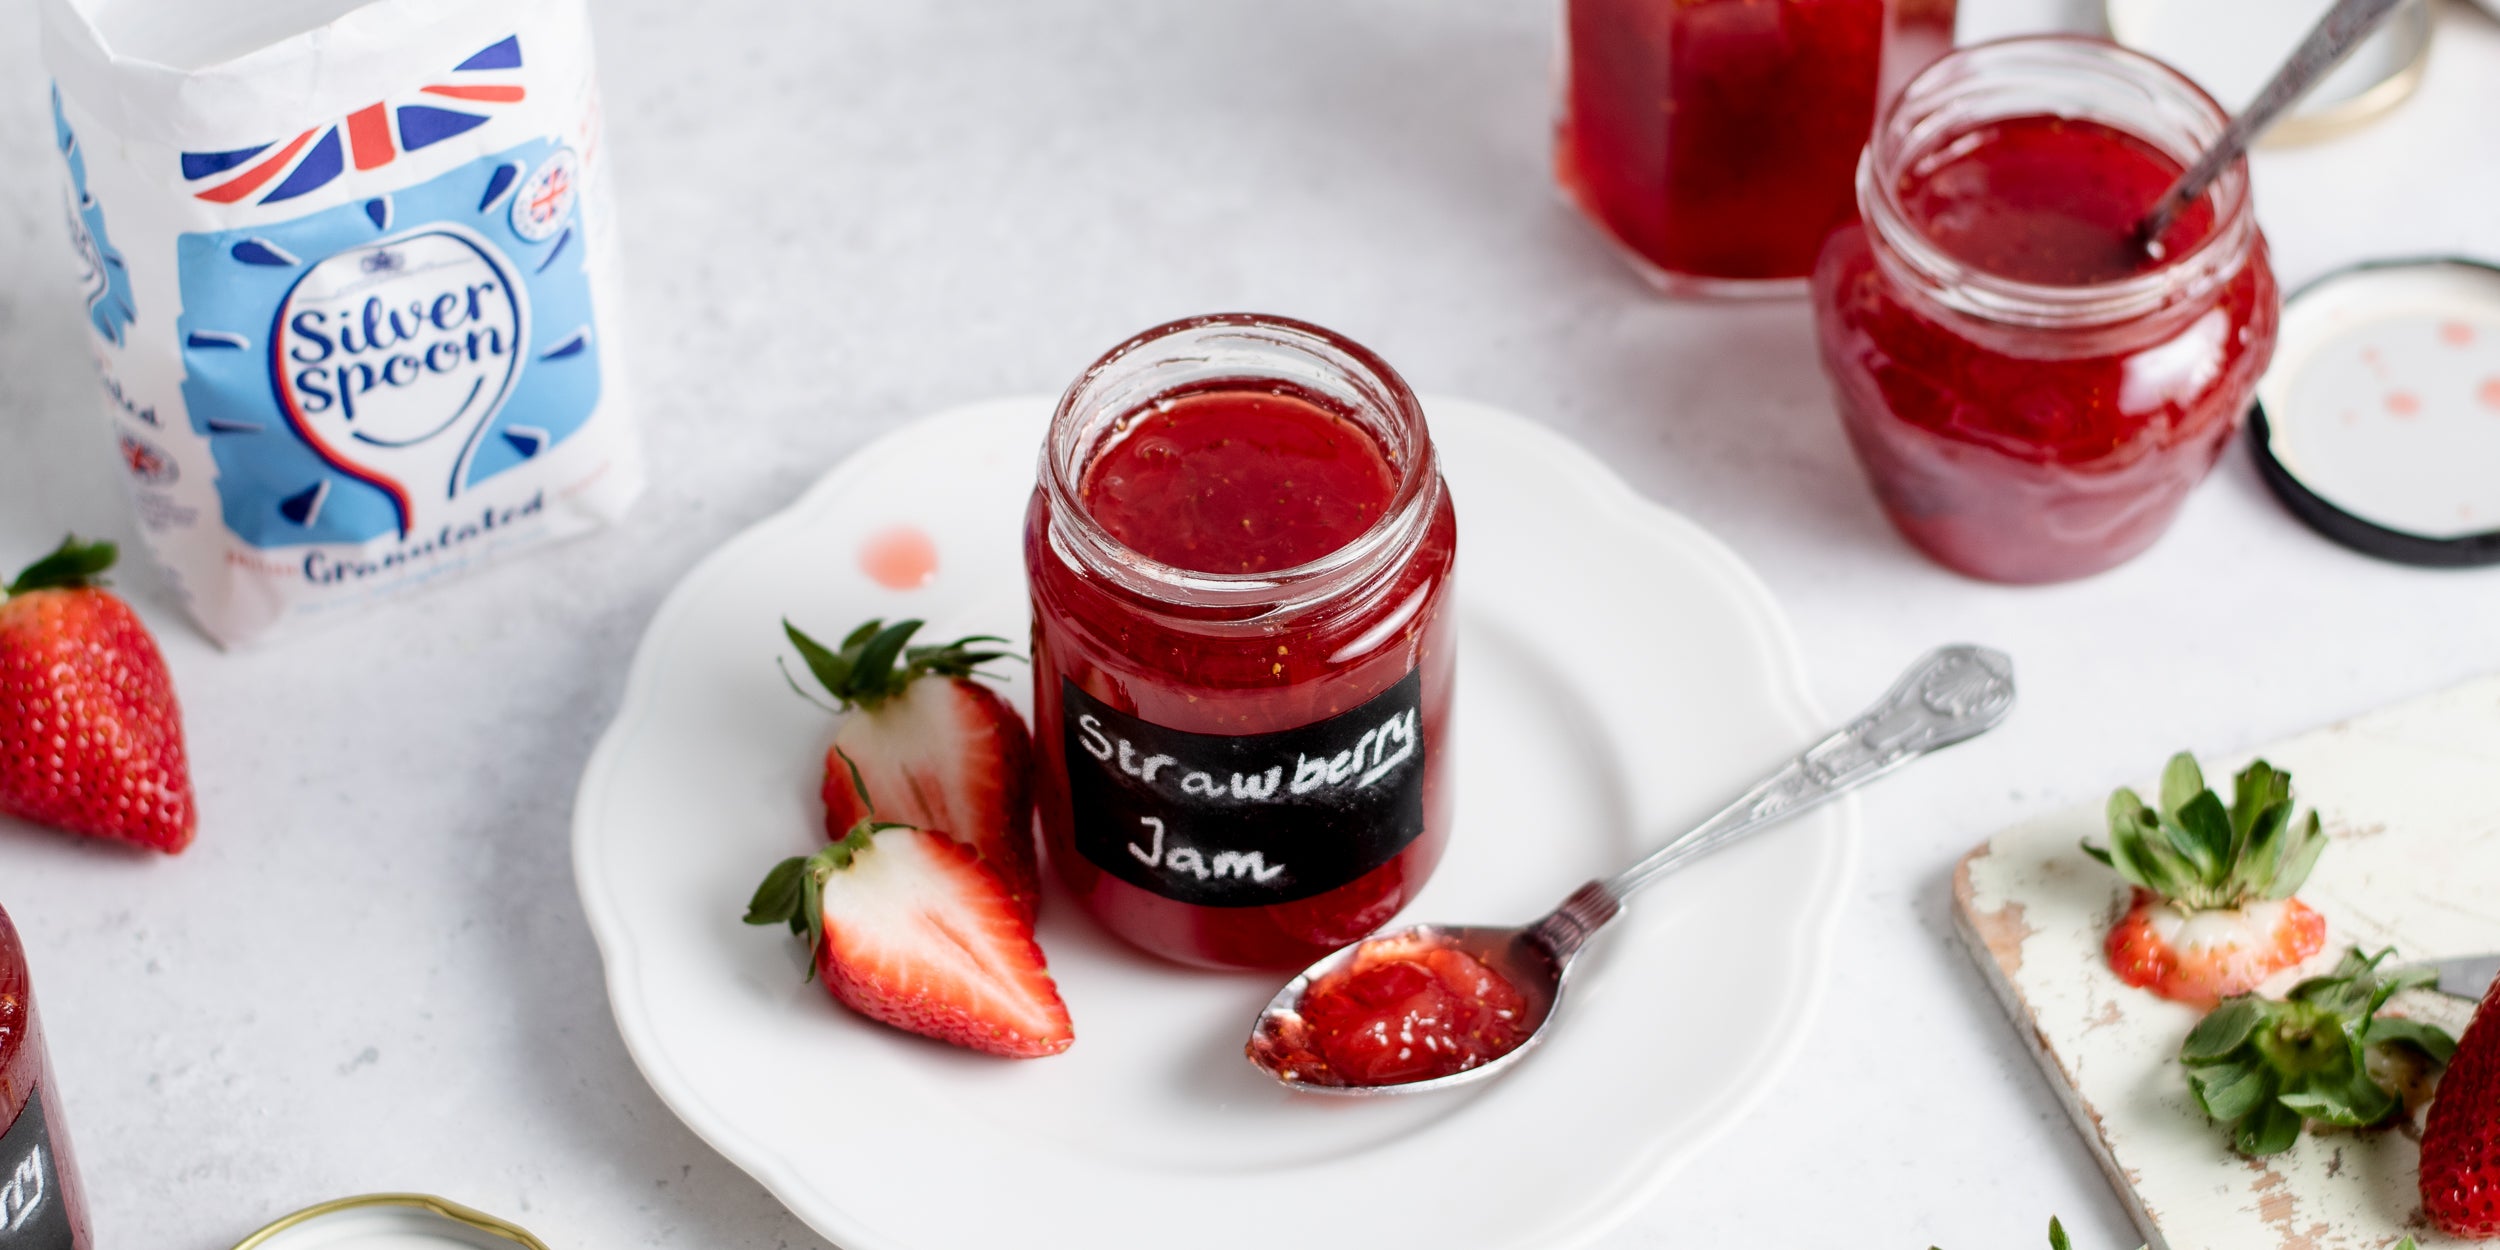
column 1240, row 551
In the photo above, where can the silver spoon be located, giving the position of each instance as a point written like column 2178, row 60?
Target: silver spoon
column 1951, row 695
column 2342, row 29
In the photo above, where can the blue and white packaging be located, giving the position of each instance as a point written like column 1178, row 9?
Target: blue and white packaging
column 349, row 280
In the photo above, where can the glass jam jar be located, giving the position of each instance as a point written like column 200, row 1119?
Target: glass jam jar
column 1240, row 552
column 1714, row 140
column 41, row 1205
column 2033, row 392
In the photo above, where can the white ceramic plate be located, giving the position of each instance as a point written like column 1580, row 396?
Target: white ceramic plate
column 1621, row 674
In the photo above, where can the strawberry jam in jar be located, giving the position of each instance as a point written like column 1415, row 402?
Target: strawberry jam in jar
column 1713, row 141
column 41, row 1206
column 1240, row 551
column 2032, row 391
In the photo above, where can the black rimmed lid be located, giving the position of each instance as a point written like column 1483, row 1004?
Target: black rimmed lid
column 2378, row 422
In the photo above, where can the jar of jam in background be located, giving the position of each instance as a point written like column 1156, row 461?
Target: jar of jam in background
column 1240, row 552
column 41, row 1206
column 2033, row 392
column 1714, row 141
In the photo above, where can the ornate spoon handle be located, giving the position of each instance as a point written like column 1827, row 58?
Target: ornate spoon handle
column 2328, row 43
column 1950, row 695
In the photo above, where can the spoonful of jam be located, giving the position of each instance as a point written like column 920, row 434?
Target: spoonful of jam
column 1432, row 1006
column 2326, row 45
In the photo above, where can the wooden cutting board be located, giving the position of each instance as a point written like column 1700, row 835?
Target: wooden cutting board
column 2411, row 798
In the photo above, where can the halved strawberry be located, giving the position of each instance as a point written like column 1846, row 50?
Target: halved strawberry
column 910, row 927
column 90, row 733
column 2461, row 1142
column 946, row 752
column 2213, row 913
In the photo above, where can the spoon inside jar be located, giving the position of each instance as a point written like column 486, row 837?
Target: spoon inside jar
column 1492, row 990
column 2335, row 36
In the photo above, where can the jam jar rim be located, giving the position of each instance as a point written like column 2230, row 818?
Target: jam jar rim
column 1401, row 528
column 1916, row 263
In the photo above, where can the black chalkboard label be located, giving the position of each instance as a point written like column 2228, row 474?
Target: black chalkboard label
column 33, row 1214
column 1246, row 821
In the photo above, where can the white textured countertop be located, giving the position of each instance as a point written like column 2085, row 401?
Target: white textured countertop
column 372, row 973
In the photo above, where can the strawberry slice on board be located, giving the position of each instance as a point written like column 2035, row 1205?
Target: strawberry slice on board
column 2213, row 913
column 90, row 731
column 2461, row 1141
column 946, row 752
column 911, row 928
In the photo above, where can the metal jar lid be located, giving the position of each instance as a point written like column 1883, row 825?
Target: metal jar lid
column 390, row 1222
column 2378, row 421
column 2230, row 47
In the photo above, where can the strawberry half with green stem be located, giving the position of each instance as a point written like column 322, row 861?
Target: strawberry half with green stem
column 90, row 732
column 2461, row 1142
column 2266, row 1068
column 910, row 927
column 2213, row 913
column 946, row 752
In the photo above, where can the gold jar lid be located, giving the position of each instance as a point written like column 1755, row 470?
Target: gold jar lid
column 399, row 1221
column 2231, row 47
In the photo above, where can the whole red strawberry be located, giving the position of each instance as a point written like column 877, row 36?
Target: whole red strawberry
column 90, row 734
column 2461, row 1144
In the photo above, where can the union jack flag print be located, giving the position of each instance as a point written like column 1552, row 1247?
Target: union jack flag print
column 370, row 137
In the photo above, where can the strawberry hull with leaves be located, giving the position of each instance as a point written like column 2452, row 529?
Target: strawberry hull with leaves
column 2268, row 1068
column 2213, row 914
column 90, row 732
column 943, row 752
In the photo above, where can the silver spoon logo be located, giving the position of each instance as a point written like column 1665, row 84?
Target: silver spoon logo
column 391, row 359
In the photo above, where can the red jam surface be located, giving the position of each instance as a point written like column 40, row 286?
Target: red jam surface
column 2050, row 200
column 2037, row 454
column 1238, row 477
column 26, row 1076
column 1238, row 482
column 1402, row 1011
column 1720, row 138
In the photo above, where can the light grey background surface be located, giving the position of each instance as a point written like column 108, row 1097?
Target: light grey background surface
column 372, row 973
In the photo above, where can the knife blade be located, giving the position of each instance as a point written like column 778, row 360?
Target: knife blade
column 2467, row 976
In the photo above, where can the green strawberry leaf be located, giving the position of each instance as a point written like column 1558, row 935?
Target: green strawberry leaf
column 859, row 784
column 873, row 671
column 2431, row 1040
column 2225, row 1029
column 832, row 671
column 2181, row 780
column 2270, row 1130
column 71, row 566
column 2229, row 1093
column 2201, row 829
column 777, row 899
